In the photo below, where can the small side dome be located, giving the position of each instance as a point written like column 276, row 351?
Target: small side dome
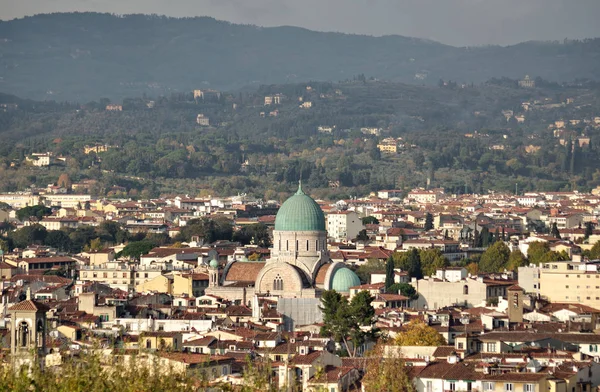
column 343, row 279
column 213, row 263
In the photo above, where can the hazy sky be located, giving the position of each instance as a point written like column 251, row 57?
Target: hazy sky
column 457, row 22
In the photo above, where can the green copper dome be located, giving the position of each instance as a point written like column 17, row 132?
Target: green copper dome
column 343, row 279
column 300, row 213
column 213, row 264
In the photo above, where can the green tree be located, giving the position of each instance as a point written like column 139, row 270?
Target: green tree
column 37, row 212
column 404, row 289
column 595, row 251
column 428, row 222
column 28, row 235
column 417, row 333
column 589, row 229
column 135, row 249
column 432, row 260
column 554, row 231
column 256, row 234
column 537, row 252
column 495, row 258
column 58, row 239
column 365, row 270
column 362, row 236
column 386, row 371
column 516, row 259
column 485, row 237
column 368, row 220
column 342, row 320
column 389, row 272
column 412, row 264
column 4, row 245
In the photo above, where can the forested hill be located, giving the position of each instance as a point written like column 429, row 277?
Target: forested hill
column 81, row 56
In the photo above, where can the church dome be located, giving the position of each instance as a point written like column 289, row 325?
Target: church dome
column 300, row 213
column 213, row 263
column 343, row 279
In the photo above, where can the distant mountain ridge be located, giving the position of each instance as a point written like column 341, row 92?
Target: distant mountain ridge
column 83, row 56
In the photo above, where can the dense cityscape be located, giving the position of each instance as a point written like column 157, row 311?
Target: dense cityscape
column 188, row 204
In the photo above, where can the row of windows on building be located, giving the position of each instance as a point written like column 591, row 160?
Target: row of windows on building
column 287, row 244
column 487, row 386
column 114, row 275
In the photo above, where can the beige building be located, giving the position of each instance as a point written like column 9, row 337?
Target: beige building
column 68, row 201
column 114, row 274
column 571, row 282
column 388, row 148
column 435, row 293
column 426, row 197
column 88, row 302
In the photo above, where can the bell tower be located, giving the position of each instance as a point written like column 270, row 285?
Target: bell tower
column 28, row 332
column 515, row 304
column 213, row 273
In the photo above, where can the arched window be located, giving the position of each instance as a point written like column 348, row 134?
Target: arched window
column 24, row 333
column 297, row 247
column 287, row 244
column 278, row 283
column 465, row 290
column 316, row 245
column 148, row 343
column 307, row 245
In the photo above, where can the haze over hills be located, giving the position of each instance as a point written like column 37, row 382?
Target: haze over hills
column 83, row 56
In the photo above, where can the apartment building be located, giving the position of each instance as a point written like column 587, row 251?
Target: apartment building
column 574, row 281
column 343, row 225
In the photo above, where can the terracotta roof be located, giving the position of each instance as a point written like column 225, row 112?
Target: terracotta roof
column 202, row 342
column 443, row 351
column 30, row 306
column 320, row 278
column 576, row 308
column 244, row 271
column 193, row 359
column 35, row 260
column 331, row 374
column 515, row 377
column 306, row 359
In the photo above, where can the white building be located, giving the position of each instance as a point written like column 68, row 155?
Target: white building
column 343, row 225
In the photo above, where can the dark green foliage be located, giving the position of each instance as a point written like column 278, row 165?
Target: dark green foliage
column 28, row 235
column 413, row 264
column 151, row 53
column 554, row 231
column 210, row 230
column 256, row 234
column 367, row 220
column 362, row 236
column 495, row 258
column 485, row 236
column 389, row 272
column 135, row 249
column 37, row 212
column 589, row 229
column 365, row 270
column 403, row 288
column 58, row 239
column 428, row 222
column 342, row 319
